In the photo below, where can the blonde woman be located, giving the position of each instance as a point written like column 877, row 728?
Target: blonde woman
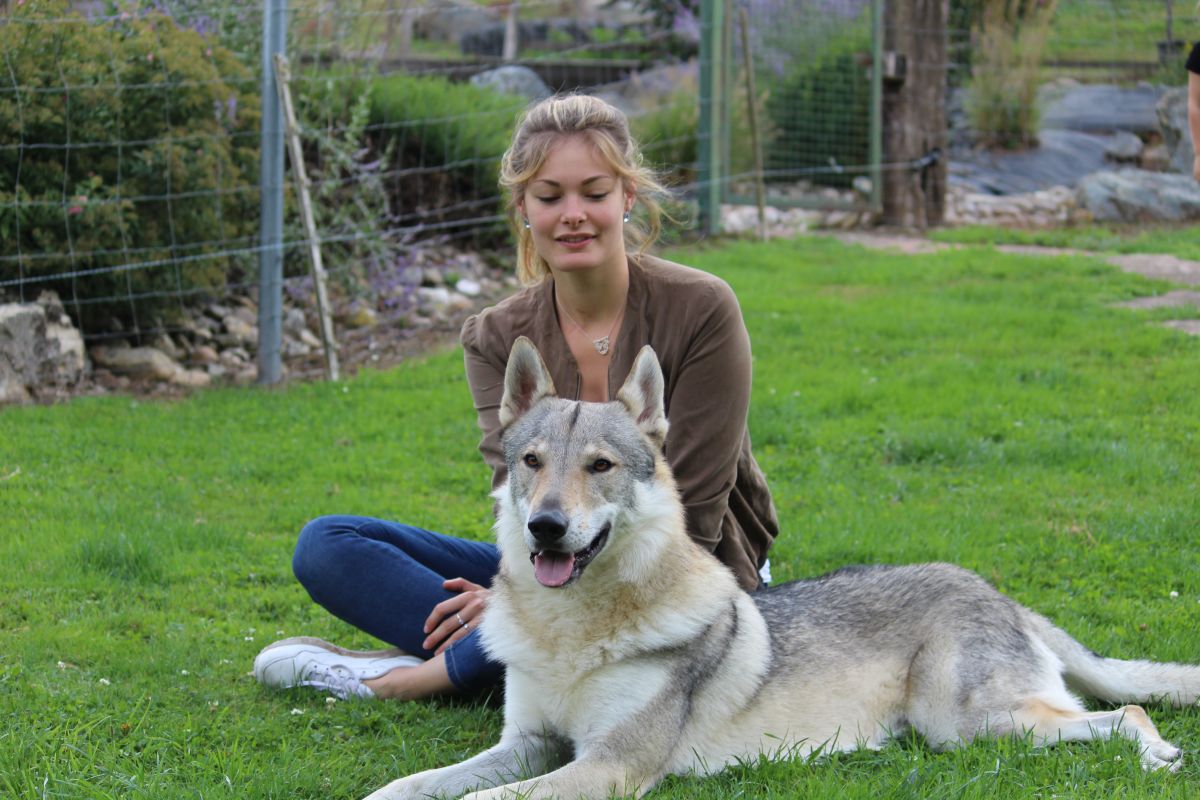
column 584, row 211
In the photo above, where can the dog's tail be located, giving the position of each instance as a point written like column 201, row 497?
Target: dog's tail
column 1115, row 680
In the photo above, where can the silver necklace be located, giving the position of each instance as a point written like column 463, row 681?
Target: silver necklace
column 604, row 343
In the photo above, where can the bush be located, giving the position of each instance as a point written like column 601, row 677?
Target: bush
column 444, row 142
column 131, row 182
column 820, row 112
column 1002, row 102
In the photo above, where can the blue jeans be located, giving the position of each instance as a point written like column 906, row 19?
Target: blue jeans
column 385, row 578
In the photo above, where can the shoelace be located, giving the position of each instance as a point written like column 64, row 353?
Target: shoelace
column 337, row 680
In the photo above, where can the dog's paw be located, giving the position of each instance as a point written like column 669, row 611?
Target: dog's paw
column 403, row 789
column 1162, row 755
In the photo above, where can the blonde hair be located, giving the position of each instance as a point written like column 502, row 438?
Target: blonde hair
column 546, row 123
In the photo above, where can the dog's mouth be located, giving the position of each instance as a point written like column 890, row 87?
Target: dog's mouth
column 556, row 569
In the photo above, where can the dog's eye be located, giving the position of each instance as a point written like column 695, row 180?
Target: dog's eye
column 601, row 465
column 531, row 461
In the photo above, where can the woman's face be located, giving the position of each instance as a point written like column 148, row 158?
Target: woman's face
column 575, row 204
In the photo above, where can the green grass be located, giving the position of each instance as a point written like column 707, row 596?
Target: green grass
column 1182, row 242
column 987, row 409
column 1118, row 30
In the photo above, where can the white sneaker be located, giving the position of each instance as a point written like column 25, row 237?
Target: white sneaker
column 317, row 664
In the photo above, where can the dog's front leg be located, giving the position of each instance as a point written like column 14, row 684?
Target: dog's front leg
column 585, row 779
column 517, row 754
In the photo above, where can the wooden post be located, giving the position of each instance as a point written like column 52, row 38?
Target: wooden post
column 296, row 151
column 752, row 108
column 914, row 111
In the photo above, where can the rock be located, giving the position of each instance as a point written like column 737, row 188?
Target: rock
column 36, row 352
column 1134, row 195
column 191, row 378
column 360, row 315
column 515, row 80
column 1099, row 108
column 468, row 287
column 204, row 354
column 136, row 362
column 294, row 321
column 167, row 345
column 1124, row 148
column 448, row 20
column 1177, row 136
column 242, row 332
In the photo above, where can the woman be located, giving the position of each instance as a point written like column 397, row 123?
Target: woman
column 573, row 175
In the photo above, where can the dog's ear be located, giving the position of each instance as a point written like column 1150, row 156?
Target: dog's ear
column 526, row 381
column 642, row 394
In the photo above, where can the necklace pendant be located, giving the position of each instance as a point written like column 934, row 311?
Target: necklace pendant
column 601, row 345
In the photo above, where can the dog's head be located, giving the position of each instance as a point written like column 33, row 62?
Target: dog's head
column 581, row 475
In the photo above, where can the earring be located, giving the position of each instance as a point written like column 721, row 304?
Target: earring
column 525, row 220
column 626, row 217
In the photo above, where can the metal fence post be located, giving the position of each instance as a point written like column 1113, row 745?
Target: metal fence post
column 270, row 264
column 712, row 118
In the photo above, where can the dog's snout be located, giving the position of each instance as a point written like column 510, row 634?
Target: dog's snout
column 548, row 526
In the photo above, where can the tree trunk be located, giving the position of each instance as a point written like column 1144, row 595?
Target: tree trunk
column 914, row 113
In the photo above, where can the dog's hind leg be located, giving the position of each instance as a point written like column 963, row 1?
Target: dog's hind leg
column 1049, row 724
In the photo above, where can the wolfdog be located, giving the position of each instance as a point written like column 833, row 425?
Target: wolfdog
column 632, row 654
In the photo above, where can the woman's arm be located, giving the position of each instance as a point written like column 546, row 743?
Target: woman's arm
column 707, row 410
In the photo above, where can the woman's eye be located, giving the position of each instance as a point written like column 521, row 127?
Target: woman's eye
column 601, row 465
column 547, row 199
column 531, row 461
column 597, row 196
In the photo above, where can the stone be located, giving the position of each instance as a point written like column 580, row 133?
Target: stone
column 515, row 80
column 204, row 354
column 36, row 351
column 242, row 332
column 360, row 315
column 136, row 362
column 1124, row 148
column 1177, row 136
column 1134, row 195
column 1100, row 108
column 191, row 378
column 468, row 287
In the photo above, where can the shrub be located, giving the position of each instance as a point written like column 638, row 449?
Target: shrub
column 820, row 112
column 1002, row 101
column 136, row 166
column 444, row 141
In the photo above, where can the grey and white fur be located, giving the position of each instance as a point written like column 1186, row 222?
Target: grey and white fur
column 632, row 654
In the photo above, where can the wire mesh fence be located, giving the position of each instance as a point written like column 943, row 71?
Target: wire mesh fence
column 130, row 131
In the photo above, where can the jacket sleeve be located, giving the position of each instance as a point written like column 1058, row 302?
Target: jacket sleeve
column 707, row 411
column 485, row 375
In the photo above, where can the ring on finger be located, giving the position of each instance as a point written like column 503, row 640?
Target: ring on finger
column 461, row 622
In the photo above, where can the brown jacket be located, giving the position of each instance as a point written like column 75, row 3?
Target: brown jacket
column 693, row 322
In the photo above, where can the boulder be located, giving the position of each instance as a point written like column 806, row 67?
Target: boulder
column 37, row 349
column 136, row 362
column 1135, row 195
column 514, row 80
column 1099, row 108
column 1177, row 137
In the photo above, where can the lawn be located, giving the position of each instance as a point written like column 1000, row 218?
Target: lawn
column 993, row 410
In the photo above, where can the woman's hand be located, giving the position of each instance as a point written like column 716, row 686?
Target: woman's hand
column 453, row 619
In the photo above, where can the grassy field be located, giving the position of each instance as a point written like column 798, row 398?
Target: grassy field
column 986, row 409
column 1182, row 242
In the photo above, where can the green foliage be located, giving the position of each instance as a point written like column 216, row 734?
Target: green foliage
column 1002, row 104
column 820, row 111
column 989, row 409
column 140, row 146
column 445, row 141
column 346, row 178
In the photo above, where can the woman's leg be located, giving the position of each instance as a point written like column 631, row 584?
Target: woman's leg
column 385, row 578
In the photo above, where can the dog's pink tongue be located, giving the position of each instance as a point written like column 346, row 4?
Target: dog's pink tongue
column 553, row 569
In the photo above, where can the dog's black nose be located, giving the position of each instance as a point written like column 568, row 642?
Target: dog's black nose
column 548, row 526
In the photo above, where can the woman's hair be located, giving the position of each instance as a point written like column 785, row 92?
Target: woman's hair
column 543, row 125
